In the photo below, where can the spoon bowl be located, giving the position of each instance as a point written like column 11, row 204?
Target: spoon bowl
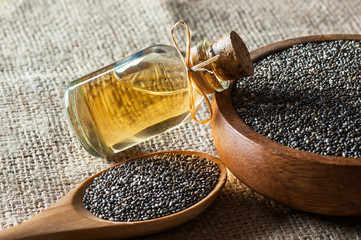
column 68, row 218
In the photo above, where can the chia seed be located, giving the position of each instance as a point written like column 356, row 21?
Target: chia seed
column 149, row 188
column 307, row 97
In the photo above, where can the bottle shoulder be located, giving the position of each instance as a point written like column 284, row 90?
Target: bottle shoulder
column 157, row 70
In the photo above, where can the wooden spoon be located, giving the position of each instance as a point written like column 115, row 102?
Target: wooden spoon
column 68, row 219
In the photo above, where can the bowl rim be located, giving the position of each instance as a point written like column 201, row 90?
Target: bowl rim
column 225, row 106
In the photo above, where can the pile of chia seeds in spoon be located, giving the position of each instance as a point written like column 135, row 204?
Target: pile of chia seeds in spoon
column 149, row 188
column 307, row 97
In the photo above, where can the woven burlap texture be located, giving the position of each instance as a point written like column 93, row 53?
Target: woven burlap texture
column 46, row 44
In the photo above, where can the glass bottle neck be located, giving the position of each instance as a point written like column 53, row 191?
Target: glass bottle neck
column 209, row 81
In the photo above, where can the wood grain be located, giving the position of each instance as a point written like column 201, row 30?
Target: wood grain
column 301, row 180
column 68, row 219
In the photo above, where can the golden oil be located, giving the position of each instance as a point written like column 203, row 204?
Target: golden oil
column 128, row 102
column 147, row 93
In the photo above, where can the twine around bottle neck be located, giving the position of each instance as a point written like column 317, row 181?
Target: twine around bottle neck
column 194, row 83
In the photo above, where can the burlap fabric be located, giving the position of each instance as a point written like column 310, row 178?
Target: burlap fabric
column 46, row 44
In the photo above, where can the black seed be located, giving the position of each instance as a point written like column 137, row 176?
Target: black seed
column 306, row 97
column 151, row 188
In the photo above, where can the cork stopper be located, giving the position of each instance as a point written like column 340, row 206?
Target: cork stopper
column 210, row 66
column 234, row 59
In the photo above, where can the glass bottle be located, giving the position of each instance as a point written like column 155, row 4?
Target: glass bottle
column 146, row 93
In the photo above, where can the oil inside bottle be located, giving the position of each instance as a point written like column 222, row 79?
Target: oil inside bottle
column 130, row 101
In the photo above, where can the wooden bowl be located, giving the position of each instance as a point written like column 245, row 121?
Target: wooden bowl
column 299, row 179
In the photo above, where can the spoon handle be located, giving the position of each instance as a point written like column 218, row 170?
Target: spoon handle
column 59, row 221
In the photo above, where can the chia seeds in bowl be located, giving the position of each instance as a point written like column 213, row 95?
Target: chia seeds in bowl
column 307, row 97
column 150, row 188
